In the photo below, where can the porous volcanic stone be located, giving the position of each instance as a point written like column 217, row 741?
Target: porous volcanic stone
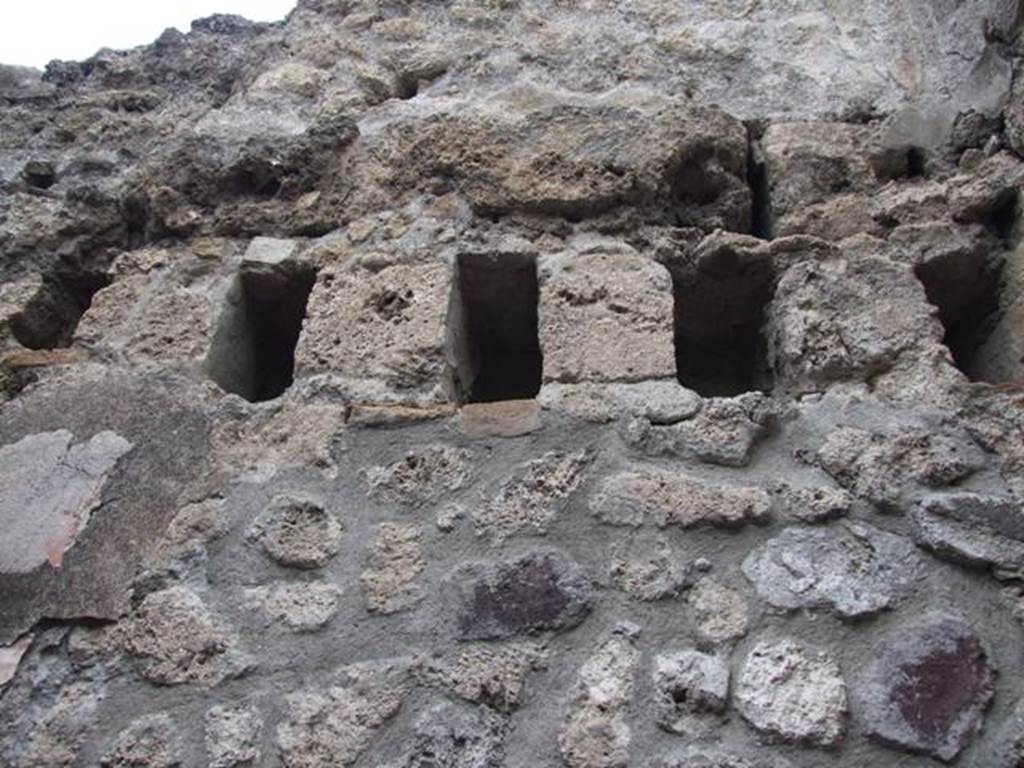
column 793, row 694
column 542, row 590
column 928, row 687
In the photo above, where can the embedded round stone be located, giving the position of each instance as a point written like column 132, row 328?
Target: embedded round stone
column 298, row 533
column 793, row 694
column 542, row 590
column 928, row 688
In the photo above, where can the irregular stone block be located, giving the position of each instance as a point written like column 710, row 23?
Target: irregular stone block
column 301, row 606
column 10, row 658
column 269, row 251
column 233, row 736
column 51, row 487
column 540, row 591
column 605, row 317
column 176, row 639
column 972, row 528
column 709, row 757
column 597, row 734
column 423, row 476
column 488, row 674
column 927, row 687
column 882, row 467
column 151, row 741
column 333, row 727
column 723, row 432
column 793, row 694
column 572, row 159
column 396, row 559
column 648, row 570
column 379, row 333
column 658, row 402
column 509, row 418
column 691, row 689
column 845, row 320
column 298, row 533
column 531, row 500
column 457, row 736
column 813, row 505
column 670, row 498
column 854, row 569
column 721, row 613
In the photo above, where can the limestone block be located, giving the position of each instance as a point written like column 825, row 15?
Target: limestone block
column 605, row 317
column 385, row 329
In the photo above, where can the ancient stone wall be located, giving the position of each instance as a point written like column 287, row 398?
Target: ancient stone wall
column 517, row 383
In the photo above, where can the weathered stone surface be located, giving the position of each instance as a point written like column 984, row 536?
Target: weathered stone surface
column 422, row 476
column 540, row 591
column 605, row 317
column 148, row 741
column 596, row 733
column 721, row 613
column 453, row 735
column 691, row 689
column 649, row 569
column 813, row 504
column 509, row 418
column 1007, row 748
column 658, row 402
column 854, row 569
column 64, row 727
column 846, row 319
column 175, row 639
column 792, row 693
column 233, row 736
column 303, row 607
column 10, row 657
column 531, row 500
column 298, row 532
column 709, row 757
column 927, row 688
column 724, row 432
column 52, row 486
column 973, row 528
column 488, row 674
column 378, row 332
column 396, row 559
column 880, row 467
column 334, row 726
column 669, row 498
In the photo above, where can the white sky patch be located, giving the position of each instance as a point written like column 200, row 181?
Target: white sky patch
column 33, row 32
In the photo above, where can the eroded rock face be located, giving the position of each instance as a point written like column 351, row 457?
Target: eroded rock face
column 540, row 591
column 928, row 688
column 517, row 383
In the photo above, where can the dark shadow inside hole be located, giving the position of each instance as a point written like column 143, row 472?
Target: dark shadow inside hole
column 253, row 350
column 493, row 328
column 917, row 162
column 964, row 288
column 719, row 321
column 50, row 318
column 760, row 194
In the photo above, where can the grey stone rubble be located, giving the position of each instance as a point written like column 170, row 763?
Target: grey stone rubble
column 517, row 383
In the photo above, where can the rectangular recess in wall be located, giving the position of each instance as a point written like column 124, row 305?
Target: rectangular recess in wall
column 493, row 344
column 719, row 327
column 253, row 349
column 965, row 290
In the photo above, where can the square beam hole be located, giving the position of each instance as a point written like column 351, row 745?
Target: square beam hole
column 253, row 349
column 50, row 318
column 965, row 290
column 719, row 325
column 492, row 329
